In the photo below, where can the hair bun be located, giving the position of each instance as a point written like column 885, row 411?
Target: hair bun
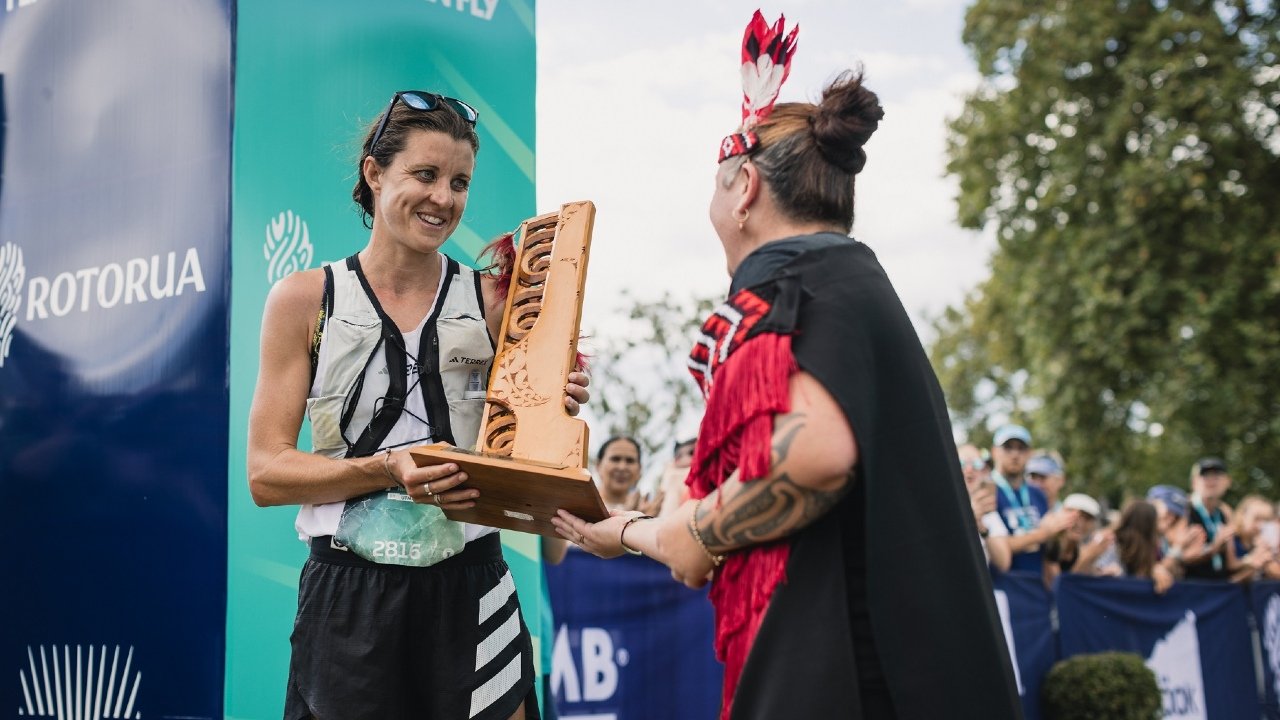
column 844, row 120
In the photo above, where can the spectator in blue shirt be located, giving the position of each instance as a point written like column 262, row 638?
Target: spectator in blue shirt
column 1022, row 506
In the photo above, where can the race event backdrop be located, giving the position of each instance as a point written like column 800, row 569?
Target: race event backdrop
column 162, row 164
column 114, row 291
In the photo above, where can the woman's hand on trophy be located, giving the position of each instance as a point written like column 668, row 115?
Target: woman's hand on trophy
column 433, row 484
column 575, row 393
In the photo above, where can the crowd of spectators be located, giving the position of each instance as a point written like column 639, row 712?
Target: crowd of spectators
column 1027, row 524
column 1166, row 535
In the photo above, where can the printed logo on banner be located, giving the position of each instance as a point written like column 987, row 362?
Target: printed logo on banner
column 590, row 677
column 1175, row 660
column 288, row 246
column 1002, row 605
column 12, row 273
column 103, row 287
column 482, row 9
column 1271, row 638
column 136, row 280
column 71, row 683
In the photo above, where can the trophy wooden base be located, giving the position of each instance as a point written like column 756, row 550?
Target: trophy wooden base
column 517, row 494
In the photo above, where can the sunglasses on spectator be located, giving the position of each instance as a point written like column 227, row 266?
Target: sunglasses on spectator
column 425, row 102
column 976, row 464
column 1015, row 446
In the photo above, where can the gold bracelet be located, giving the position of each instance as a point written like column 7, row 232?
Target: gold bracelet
column 622, row 534
column 693, row 530
column 386, row 467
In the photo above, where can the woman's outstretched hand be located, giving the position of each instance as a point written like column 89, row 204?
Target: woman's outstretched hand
column 602, row 539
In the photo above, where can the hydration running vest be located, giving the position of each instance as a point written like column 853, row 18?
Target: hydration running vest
column 455, row 353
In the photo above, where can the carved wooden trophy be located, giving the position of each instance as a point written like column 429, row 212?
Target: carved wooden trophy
column 531, row 456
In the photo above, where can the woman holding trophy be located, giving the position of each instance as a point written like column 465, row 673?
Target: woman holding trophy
column 401, row 612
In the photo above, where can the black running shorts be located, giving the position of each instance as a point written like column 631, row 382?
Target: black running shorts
column 387, row 642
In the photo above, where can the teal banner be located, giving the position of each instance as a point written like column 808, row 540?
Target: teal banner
column 310, row 78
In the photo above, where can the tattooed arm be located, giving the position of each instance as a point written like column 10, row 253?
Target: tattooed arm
column 814, row 452
column 813, row 457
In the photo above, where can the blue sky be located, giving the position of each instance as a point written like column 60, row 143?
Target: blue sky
column 633, row 99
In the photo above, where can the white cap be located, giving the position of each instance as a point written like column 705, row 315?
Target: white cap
column 1083, row 503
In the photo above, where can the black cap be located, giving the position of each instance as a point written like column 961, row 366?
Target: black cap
column 1210, row 464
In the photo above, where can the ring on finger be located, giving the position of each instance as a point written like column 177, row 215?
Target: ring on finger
column 426, row 487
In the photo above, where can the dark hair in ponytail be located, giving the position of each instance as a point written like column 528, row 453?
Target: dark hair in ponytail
column 809, row 154
column 1137, row 539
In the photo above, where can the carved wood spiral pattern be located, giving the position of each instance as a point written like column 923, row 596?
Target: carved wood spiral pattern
column 531, row 273
column 500, row 430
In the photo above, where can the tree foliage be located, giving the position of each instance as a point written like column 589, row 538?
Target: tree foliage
column 1125, row 154
column 641, row 384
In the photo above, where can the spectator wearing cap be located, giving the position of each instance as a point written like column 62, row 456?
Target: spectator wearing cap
column 1209, row 483
column 1022, row 506
column 1081, row 545
column 1045, row 472
column 982, row 499
column 1179, row 539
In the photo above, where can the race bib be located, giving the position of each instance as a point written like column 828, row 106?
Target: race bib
column 389, row 528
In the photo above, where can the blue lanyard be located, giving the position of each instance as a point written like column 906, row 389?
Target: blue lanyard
column 1022, row 500
column 1210, row 528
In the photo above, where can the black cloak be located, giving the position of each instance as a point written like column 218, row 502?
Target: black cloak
column 888, row 595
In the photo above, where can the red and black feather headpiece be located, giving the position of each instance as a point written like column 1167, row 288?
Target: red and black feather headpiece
column 766, row 63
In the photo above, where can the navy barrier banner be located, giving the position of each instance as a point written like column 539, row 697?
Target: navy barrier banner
column 1025, row 607
column 1266, row 613
column 1195, row 638
column 631, row 643
column 114, row 288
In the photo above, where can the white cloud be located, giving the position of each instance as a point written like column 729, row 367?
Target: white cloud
column 631, row 113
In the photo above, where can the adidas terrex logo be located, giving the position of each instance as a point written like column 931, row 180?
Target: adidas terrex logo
column 465, row 360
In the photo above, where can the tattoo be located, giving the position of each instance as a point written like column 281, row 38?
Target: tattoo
column 768, row 508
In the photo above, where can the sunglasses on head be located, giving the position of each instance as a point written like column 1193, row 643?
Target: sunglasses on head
column 426, row 102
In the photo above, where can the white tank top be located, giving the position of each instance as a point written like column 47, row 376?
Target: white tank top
column 412, row 428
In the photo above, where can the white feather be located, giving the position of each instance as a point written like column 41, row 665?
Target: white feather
column 761, row 83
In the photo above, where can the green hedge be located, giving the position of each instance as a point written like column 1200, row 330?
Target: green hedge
column 1112, row 685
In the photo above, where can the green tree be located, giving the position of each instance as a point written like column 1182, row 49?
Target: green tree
column 1124, row 152
column 640, row 383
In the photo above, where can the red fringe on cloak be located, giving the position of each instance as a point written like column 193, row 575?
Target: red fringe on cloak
column 750, row 388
